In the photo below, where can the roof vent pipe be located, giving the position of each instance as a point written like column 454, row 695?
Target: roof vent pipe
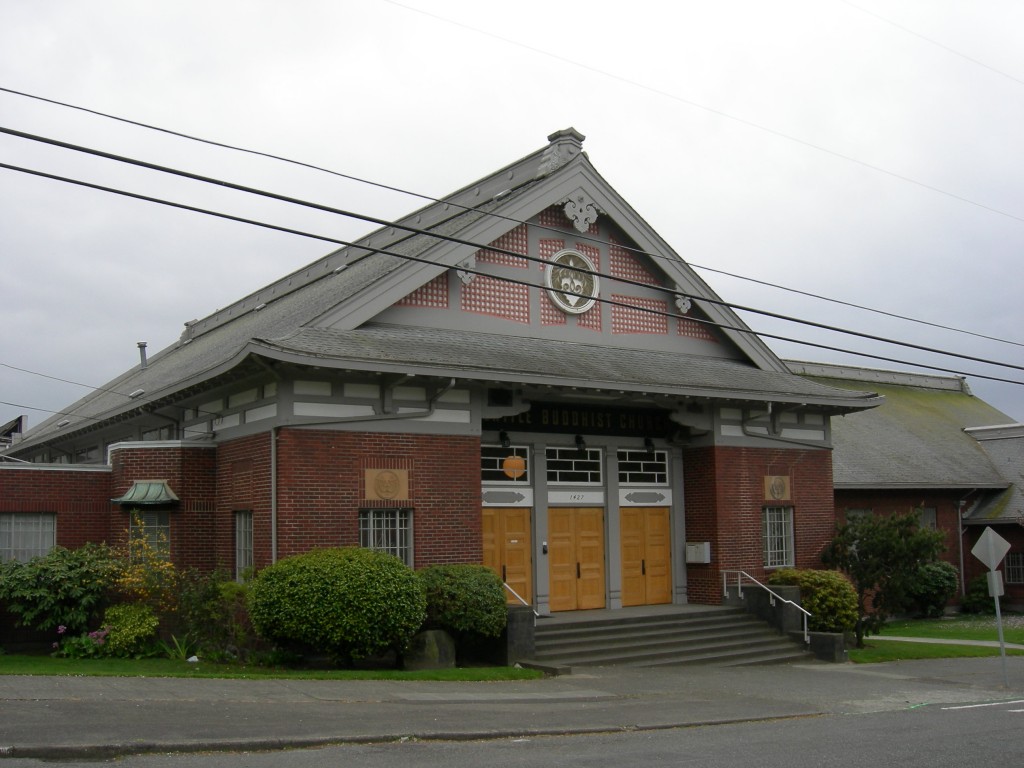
column 142, row 354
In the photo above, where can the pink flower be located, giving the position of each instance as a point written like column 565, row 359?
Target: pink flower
column 61, row 629
column 56, row 646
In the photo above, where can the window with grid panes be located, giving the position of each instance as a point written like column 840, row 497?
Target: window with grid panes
column 387, row 530
column 571, row 466
column 153, row 526
column 24, row 535
column 243, row 543
column 1014, row 568
column 778, row 537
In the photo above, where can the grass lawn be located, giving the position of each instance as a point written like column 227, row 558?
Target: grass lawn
column 18, row 664
column 961, row 627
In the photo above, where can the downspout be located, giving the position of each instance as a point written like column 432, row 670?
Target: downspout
column 273, row 494
column 960, row 531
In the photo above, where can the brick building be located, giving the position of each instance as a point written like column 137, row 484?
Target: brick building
column 522, row 374
column 935, row 450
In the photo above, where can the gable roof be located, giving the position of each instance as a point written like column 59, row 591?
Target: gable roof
column 1004, row 444
column 916, row 438
column 346, row 289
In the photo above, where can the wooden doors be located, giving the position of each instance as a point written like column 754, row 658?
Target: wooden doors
column 576, row 558
column 646, row 556
column 506, row 549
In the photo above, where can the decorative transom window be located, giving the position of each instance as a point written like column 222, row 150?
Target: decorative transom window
column 778, row 537
column 500, row 465
column 243, row 544
column 639, row 466
column 26, row 535
column 574, row 466
column 1014, row 566
column 387, row 530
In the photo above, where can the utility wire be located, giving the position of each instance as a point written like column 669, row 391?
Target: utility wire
column 931, row 41
column 479, row 246
column 525, row 283
column 718, row 112
column 582, row 236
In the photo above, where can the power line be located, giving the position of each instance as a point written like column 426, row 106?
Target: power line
column 718, row 112
column 461, row 241
column 582, row 236
column 931, row 41
column 526, row 283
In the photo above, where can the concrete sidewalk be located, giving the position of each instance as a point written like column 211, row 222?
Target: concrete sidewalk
column 93, row 717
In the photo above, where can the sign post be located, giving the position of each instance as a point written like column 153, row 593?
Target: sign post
column 991, row 549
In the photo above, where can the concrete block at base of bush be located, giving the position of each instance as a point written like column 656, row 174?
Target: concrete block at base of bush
column 430, row 649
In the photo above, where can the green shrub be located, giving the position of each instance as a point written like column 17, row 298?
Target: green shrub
column 213, row 616
column 464, row 599
column 131, row 630
column 350, row 603
column 977, row 599
column 827, row 595
column 935, row 584
column 66, row 588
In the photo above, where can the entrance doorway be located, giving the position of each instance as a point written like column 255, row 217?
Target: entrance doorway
column 646, row 556
column 576, row 558
column 506, row 549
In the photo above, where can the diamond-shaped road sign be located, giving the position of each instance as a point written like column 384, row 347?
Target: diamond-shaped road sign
column 991, row 549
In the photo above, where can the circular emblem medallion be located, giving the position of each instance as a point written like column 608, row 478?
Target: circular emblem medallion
column 514, row 466
column 571, row 290
column 387, row 484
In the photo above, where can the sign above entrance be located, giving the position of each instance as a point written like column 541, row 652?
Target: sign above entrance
column 587, row 419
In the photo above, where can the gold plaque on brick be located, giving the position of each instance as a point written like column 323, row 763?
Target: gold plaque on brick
column 776, row 487
column 386, row 484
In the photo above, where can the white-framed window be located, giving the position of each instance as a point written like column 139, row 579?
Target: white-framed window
column 24, row 535
column 777, row 531
column 388, row 530
column 152, row 526
column 1014, row 568
column 243, row 543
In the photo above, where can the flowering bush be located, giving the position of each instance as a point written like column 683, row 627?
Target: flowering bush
column 131, row 630
column 145, row 573
column 88, row 645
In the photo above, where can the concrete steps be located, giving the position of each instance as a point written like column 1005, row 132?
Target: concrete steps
column 719, row 636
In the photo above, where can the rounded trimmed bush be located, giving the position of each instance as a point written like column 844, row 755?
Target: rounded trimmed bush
column 827, row 595
column 934, row 586
column 464, row 599
column 350, row 603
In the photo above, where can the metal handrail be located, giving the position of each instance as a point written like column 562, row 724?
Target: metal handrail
column 518, row 597
column 772, row 596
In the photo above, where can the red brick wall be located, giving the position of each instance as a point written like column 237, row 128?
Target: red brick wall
column 724, row 496
column 243, row 483
column 191, row 473
column 320, row 477
column 889, row 502
column 80, row 499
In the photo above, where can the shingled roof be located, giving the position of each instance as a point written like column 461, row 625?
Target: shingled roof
column 324, row 314
column 916, row 438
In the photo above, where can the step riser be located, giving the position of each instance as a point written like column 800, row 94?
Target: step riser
column 725, row 638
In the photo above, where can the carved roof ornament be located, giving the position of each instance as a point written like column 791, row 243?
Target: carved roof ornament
column 683, row 303
column 564, row 146
column 581, row 210
column 467, row 263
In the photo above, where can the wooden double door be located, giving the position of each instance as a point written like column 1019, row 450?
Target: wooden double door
column 507, row 549
column 576, row 558
column 646, row 548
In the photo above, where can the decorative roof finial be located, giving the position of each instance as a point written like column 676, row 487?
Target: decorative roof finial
column 565, row 145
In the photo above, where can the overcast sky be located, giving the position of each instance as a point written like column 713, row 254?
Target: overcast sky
column 866, row 151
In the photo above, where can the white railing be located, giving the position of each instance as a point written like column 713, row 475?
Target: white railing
column 772, row 596
column 518, row 597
